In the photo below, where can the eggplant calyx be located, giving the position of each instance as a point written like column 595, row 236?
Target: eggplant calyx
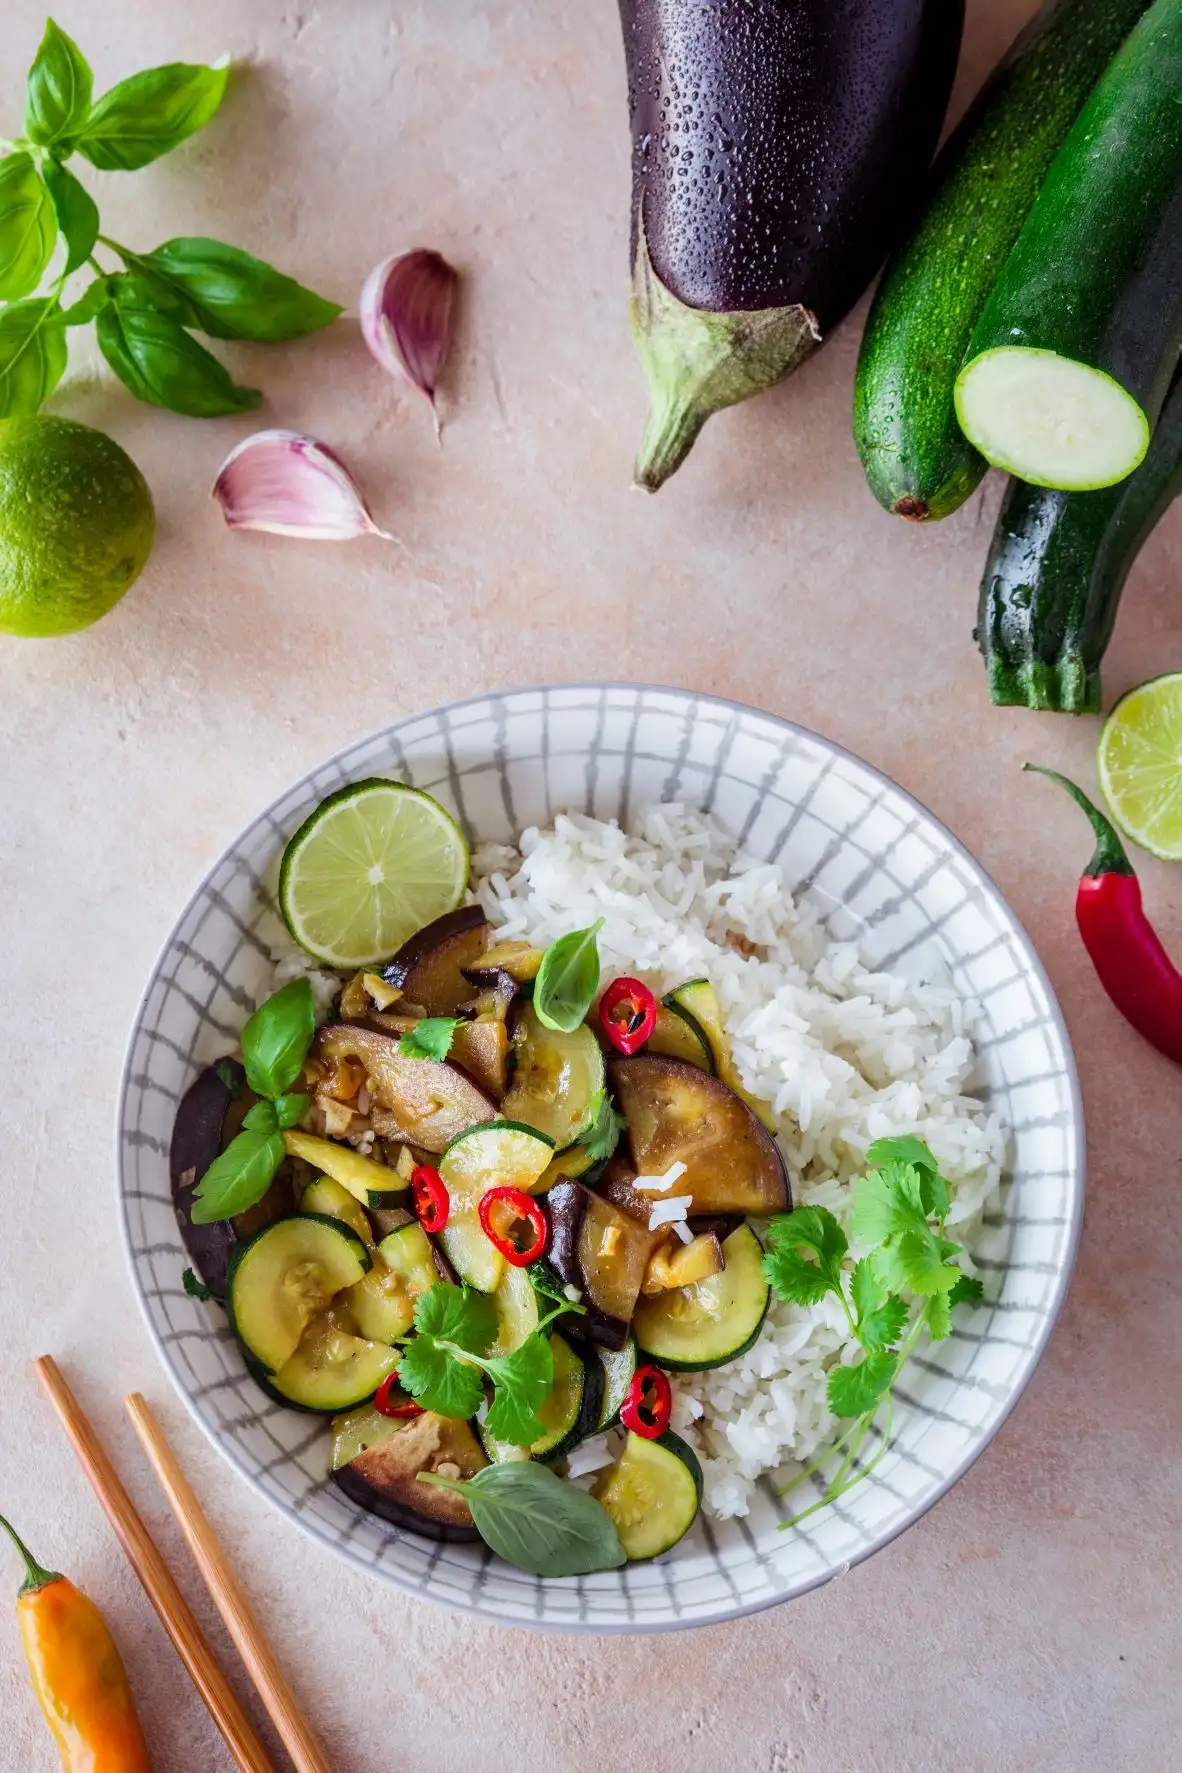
column 697, row 361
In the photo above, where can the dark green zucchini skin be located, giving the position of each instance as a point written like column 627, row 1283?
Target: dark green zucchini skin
column 1055, row 573
column 917, row 460
column 779, row 145
column 1096, row 273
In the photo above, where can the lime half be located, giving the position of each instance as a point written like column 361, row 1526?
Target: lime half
column 1140, row 765
column 368, row 869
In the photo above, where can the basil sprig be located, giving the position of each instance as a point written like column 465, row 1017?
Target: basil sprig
column 568, row 979
column 536, row 1520
column 146, row 312
column 275, row 1044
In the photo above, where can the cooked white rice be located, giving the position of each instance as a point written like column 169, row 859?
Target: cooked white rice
column 841, row 1055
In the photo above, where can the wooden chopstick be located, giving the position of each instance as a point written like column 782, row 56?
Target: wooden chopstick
column 239, row 1616
column 173, row 1610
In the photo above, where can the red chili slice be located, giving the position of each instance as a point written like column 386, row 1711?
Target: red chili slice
column 405, row 1408
column 432, row 1201
column 511, row 1206
column 627, row 1014
column 649, row 1404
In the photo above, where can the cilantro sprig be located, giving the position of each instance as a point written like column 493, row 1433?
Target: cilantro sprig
column 906, row 1284
column 445, row 1364
column 601, row 1128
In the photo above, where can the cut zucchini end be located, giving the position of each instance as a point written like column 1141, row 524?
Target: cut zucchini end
column 1064, row 687
column 1050, row 420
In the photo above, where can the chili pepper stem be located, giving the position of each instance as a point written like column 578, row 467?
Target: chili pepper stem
column 36, row 1576
column 1109, row 856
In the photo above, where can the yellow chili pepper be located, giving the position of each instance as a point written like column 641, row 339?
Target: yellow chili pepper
column 77, row 1674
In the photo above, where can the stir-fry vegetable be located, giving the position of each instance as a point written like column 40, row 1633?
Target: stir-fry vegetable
column 627, row 1014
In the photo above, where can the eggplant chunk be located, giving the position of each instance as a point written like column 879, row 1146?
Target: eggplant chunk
column 197, row 1137
column 424, row 1100
column 605, row 1253
column 384, row 1478
column 779, row 148
column 428, row 970
column 678, row 1114
column 482, row 1048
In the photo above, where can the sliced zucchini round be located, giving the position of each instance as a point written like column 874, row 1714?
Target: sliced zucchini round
column 357, row 1431
column 619, row 1368
column 379, row 1307
column 709, row 1323
column 678, row 1034
column 498, row 1154
column 407, row 1252
column 570, row 1413
column 652, row 1494
column 331, row 1370
column 698, row 1000
column 284, row 1276
column 516, row 1306
column 331, row 1201
column 556, row 1078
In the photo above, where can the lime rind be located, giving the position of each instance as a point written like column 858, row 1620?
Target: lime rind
column 370, row 867
column 1140, row 765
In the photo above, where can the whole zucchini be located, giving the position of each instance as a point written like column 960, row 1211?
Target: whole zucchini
column 1055, row 573
column 778, row 147
column 1070, row 361
column 917, row 459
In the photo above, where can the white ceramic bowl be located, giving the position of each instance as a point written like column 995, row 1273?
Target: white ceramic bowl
column 885, row 868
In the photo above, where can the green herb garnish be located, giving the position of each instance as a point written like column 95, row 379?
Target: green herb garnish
column 601, row 1128
column 147, row 310
column 568, row 979
column 445, row 1363
column 894, row 1207
column 431, row 1038
column 536, row 1520
column 543, row 1280
column 194, row 1287
column 275, row 1044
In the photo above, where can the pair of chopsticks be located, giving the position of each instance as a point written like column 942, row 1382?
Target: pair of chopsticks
column 174, row 1612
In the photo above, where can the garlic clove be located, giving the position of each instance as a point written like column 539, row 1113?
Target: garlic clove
column 287, row 484
column 406, row 314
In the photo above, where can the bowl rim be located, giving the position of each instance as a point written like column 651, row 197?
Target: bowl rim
column 590, row 1627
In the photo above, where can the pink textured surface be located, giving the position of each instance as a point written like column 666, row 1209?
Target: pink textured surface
column 1031, row 1621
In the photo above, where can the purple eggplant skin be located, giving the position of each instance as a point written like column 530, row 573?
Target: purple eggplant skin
column 779, row 149
column 197, row 1135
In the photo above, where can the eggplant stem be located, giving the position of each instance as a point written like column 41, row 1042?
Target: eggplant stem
column 697, row 361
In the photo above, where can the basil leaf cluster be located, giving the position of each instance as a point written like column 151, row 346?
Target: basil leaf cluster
column 147, row 307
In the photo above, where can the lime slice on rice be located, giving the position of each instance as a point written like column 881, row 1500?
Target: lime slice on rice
column 368, row 869
column 1140, row 765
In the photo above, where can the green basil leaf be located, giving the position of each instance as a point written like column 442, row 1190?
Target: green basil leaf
column 57, row 97
column 90, row 303
column 568, row 979
column 32, row 354
column 28, row 226
column 150, row 114
column 140, row 289
column 155, row 357
column 276, row 1039
column 233, row 295
column 538, row 1521
column 238, row 1178
column 290, row 1110
column 261, row 1118
column 76, row 211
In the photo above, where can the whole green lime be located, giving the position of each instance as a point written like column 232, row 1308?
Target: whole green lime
column 76, row 525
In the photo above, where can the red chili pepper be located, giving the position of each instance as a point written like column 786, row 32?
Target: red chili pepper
column 432, row 1201
column 649, row 1404
column 405, row 1408
column 513, row 1205
column 1125, row 949
column 627, row 1014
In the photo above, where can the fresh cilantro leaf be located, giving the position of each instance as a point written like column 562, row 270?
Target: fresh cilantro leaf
column 888, row 1201
column 523, row 1381
column 261, row 1118
column 601, row 1128
column 881, row 1315
column 937, row 1316
column 456, row 1314
column 967, row 1291
column 867, row 1288
column 195, row 1288
column 438, row 1380
column 431, row 1038
column 543, row 1280
column 902, row 1150
column 921, row 1260
column 794, row 1275
column 854, row 1390
column 934, row 1194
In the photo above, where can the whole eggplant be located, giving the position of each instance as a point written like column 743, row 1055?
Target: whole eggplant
column 779, row 148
